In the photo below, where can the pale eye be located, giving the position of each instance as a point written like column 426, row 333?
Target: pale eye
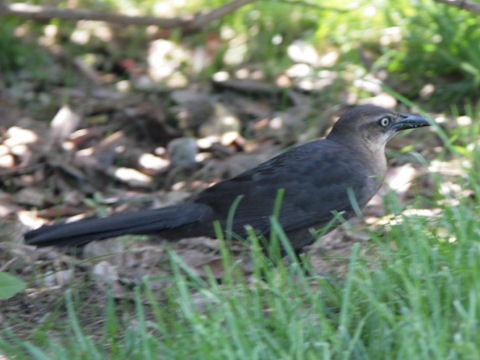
column 385, row 121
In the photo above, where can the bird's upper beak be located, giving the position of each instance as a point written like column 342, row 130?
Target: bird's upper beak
column 407, row 121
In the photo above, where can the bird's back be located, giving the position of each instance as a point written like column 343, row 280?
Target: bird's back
column 315, row 178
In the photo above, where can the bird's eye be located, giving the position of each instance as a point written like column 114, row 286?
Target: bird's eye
column 385, row 121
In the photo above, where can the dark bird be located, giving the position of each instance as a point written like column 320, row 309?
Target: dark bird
column 318, row 179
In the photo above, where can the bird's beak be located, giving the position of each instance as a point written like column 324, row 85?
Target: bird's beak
column 407, row 121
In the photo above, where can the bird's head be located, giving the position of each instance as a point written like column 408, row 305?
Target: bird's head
column 373, row 126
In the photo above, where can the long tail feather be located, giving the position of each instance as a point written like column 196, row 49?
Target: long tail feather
column 142, row 222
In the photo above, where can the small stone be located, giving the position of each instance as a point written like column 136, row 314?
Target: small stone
column 105, row 272
column 183, row 151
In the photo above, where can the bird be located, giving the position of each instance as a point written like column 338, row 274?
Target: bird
column 337, row 174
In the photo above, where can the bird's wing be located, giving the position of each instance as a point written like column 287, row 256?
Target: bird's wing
column 315, row 178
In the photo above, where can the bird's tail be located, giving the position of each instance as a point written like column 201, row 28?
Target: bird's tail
column 142, row 222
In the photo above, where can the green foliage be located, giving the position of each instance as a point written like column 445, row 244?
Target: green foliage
column 10, row 286
column 18, row 55
column 440, row 47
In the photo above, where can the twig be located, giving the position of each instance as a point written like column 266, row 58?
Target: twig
column 8, row 263
column 19, row 170
column 462, row 4
column 190, row 22
column 249, row 86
